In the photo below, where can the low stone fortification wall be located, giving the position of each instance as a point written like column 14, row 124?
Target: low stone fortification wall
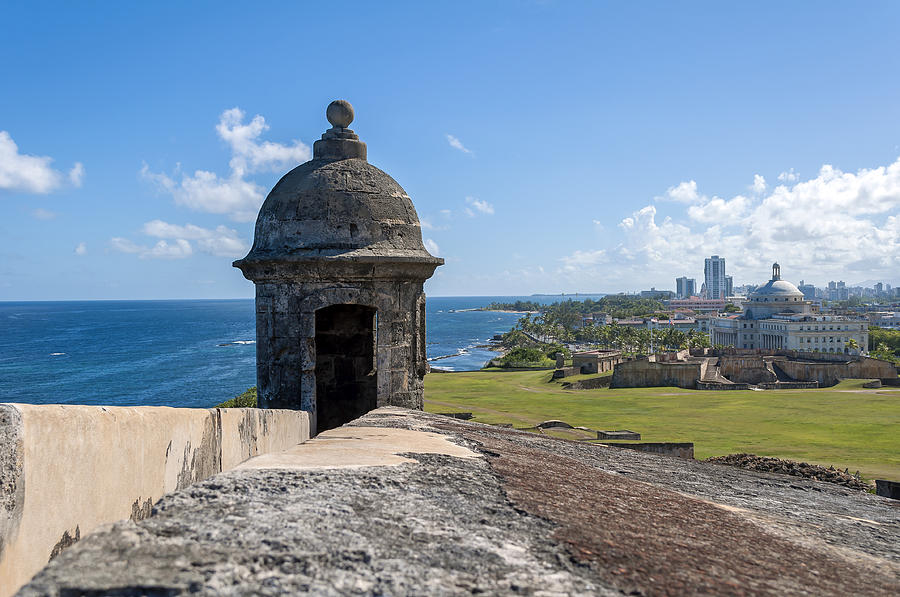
column 566, row 372
column 716, row 386
column 830, row 373
column 646, row 374
column 789, row 385
column 676, row 449
column 64, row 470
column 589, row 384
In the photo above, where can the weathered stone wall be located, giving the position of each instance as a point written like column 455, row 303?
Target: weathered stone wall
column 674, row 449
column 596, row 361
column 746, row 369
column 64, row 470
column 642, row 373
column 789, row 385
column 830, row 373
column 718, row 386
column 565, row 372
column 589, row 384
column 285, row 319
column 400, row 510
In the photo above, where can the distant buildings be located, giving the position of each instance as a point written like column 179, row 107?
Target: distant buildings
column 717, row 285
column 778, row 316
column 837, row 291
column 697, row 304
column 885, row 319
column 685, row 287
column 653, row 293
column 714, row 277
column 808, row 290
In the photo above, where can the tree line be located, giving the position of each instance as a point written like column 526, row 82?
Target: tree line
column 884, row 344
column 619, row 306
column 541, row 328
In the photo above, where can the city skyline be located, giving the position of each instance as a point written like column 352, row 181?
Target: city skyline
column 548, row 147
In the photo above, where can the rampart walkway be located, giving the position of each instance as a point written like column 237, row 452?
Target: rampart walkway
column 453, row 507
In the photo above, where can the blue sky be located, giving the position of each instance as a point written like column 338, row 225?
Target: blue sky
column 547, row 146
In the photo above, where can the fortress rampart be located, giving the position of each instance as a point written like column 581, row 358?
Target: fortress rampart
column 642, row 373
column 65, row 470
column 739, row 368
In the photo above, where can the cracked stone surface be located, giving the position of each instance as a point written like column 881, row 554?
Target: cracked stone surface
column 532, row 515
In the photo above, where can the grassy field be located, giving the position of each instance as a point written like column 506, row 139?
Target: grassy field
column 846, row 426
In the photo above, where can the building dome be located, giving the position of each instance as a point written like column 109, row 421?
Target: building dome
column 776, row 289
column 337, row 206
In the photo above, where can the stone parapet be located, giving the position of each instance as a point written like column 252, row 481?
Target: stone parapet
column 403, row 502
column 674, row 449
column 65, row 470
column 642, row 373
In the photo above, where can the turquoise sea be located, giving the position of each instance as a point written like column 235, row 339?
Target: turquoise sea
column 193, row 353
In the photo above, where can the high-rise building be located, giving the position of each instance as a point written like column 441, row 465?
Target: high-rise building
column 714, row 277
column 685, row 287
column 729, row 286
column 837, row 291
column 808, row 290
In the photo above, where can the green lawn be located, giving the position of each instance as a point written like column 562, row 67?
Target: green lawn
column 845, row 426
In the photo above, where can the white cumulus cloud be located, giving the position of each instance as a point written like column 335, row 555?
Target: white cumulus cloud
column 76, row 174
column 836, row 225
column 478, row 206
column 177, row 249
column 683, row 192
column 719, row 210
column 220, row 241
column 252, row 155
column 23, row 172
column 81, row 249
column 123, row 245
column 759, row 184
column 432, row 246
column 788, row 177
column 457, row 144
column 233, row 194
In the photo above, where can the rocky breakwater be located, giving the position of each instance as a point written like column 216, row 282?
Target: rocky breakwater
column 401, row 502
column 815, row 472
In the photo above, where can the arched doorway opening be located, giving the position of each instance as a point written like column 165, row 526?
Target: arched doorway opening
column 346, row 380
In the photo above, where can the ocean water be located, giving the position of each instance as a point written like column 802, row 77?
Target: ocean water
column 183, row 353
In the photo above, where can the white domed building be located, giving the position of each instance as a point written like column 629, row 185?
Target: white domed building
column 777, row 317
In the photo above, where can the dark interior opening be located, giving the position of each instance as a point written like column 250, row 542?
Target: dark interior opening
column 346, row 381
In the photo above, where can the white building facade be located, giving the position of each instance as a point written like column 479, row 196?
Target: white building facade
column 777, row 316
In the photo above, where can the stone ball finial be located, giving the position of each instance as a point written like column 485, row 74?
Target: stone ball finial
column 339, row 113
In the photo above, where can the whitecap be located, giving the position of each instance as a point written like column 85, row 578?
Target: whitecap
column 56, row 354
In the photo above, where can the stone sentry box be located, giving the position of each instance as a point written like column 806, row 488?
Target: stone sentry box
column 339, row 265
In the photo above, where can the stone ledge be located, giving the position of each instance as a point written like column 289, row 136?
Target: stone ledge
column 78, row 467
column 533, row 515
